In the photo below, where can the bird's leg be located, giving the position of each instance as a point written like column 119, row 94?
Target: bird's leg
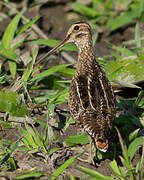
column 96, row 159
column 90, row 154
column 90, row 149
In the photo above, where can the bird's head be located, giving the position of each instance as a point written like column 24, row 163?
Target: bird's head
column 78, row 32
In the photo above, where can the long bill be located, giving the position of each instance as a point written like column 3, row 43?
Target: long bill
column 51, row 52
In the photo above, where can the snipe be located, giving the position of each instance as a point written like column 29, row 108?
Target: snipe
column 91, row 98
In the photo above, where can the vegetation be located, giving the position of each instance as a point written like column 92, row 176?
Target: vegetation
column 19, row 76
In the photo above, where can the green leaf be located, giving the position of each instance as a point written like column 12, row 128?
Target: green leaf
column 95, row 174
column 54, row 98
column 140, row 8
column 60, row 97
column 125, row 159
column 1, row 78
column 123, row 172
column 52, row 150
column 115, row 74
column 20, row 41
column 10, row 31
column 126, row 71
column 12, row 66
column 69, row 72
column 99, row 5
column 10, row 102
column 133, row 135
column 28, row 70
column 26, row 143
column 32, row 139
column 50, row 71
column 12, row 164
column 115, row 169
column 138, row 35
column 53, row 43
column 79, row 139
column 39, row 140
column 125, row 84
column 30, row 136
column 30, row 174
column 27, row 25
column 71, row 177
column 61, row 169
column 124, row 18
column 12, row 148
column 7, row 53
column 134, row 146
column 124, row 51
column 79, row 7
column 139, row 99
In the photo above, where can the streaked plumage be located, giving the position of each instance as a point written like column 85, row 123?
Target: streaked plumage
column 91, row 98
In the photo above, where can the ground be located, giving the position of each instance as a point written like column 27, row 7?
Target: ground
column 54, row 22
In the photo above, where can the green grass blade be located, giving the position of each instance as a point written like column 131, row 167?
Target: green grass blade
column 124, row 18
column 10, row 102
column 12, row 164
column 79, row 139
column 95, row 174
column 32, row 134
column 138, row 35
column 71, row 177
column 12, row 148
column 10, row 31
column 52, row 150
column 123, row 146
column 60, row 169
column 28, row 71
column 7, row 53
column 115, row 169
column 28, row 137
column 30, row 174
column 124, row 151
column 114, row 75
column 38, row 140
column 12, row 66
column 131, row 72
column 25, row 138
column 26, row 143
column 60, row 97
column 140, row 8
column 69, row 72
column 53, row 43
column 133, row 135
column 50, row 71
column 123, row 172
column 7, row 99
column 27, row 25
column 139, row 101
column 4, row 159
column 19, row 42
column 79, row 7
column 134, row 146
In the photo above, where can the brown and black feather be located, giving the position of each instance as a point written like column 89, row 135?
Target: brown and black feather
column 91, row 98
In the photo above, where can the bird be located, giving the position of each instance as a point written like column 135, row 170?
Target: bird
column 91, row 98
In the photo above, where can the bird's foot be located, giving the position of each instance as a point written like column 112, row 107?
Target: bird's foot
column 88, row 160
column 93, row 160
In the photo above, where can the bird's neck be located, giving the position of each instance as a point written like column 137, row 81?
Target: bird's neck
column 86, row 58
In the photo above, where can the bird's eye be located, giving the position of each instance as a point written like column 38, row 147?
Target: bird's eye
column 76, row 28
